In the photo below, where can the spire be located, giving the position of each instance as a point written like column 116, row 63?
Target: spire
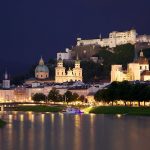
column 60, row 59
column 6, row 75
column 100, row 36
column 41, row 62
column 77, row 61
column 141, row 54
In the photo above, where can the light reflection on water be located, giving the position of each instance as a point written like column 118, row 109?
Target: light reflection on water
column 49, row 131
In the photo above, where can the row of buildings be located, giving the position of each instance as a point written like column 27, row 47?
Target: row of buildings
column 42, row 84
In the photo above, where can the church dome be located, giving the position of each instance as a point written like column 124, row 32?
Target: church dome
column 142, row 60
column 41, row 67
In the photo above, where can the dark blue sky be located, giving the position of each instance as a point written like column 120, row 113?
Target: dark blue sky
column 31, row 28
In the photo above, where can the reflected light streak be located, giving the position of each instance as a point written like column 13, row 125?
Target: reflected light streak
column 52, row 118
column 42, row 118
column 21, row 117
column 10, row 118
column 31, row 116
column 92, row 120
column 61, row 131
column 77, row 138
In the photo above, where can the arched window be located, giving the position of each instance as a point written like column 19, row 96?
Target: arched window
column 140, row 67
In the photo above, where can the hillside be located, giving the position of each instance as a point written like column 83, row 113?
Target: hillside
column 123, row 54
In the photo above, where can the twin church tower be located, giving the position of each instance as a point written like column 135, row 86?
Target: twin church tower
column 61, row 74
column 74, row 74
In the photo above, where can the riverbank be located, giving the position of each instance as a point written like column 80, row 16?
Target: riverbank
column 2, row 123
column 40, row 108
column 139, row 111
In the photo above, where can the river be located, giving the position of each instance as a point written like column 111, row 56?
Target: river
column 50, row 131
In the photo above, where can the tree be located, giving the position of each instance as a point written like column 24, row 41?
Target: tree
column 81, row 98
column 68, row 96
column 124, row 91
column 102, row 95
column 136, row 92
column 75, row 96
column 39, row 97
column 54, row 95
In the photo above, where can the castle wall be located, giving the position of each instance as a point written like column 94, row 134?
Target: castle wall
column 114, row 39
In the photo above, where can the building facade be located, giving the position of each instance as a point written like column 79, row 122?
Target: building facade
column 115, row 38
column 64, row 55
column 143, row 38
column 74, row 74
column 137, row 70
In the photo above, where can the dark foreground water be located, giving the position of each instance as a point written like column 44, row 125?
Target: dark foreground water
column 48, row 131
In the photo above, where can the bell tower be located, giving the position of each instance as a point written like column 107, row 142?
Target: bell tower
column 60, row 75
column 77, row 70
column 6, row 81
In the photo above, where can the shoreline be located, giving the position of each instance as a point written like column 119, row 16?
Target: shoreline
column 108, row 110
column 122, row 110
column 39, row 108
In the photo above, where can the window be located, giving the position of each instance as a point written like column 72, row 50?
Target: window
column 140, row 67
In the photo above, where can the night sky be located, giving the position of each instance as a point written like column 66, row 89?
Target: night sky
column 31, row 28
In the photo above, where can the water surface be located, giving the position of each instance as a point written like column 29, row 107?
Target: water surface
column 49, row 131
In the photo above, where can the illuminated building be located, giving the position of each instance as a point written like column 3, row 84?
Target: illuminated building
column 74, row 74
column 41, row 74
column 115, row 38
column 137, row 70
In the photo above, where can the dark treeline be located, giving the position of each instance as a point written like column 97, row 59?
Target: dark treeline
column 125, row 91
column 55, row 96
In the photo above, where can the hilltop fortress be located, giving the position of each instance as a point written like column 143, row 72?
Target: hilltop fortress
column 115, row 38
column 87, row 48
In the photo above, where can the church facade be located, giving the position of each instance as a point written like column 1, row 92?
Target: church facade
column 137, row 70
column 74, row 74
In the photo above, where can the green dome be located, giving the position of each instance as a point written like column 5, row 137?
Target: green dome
column 41, row 67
